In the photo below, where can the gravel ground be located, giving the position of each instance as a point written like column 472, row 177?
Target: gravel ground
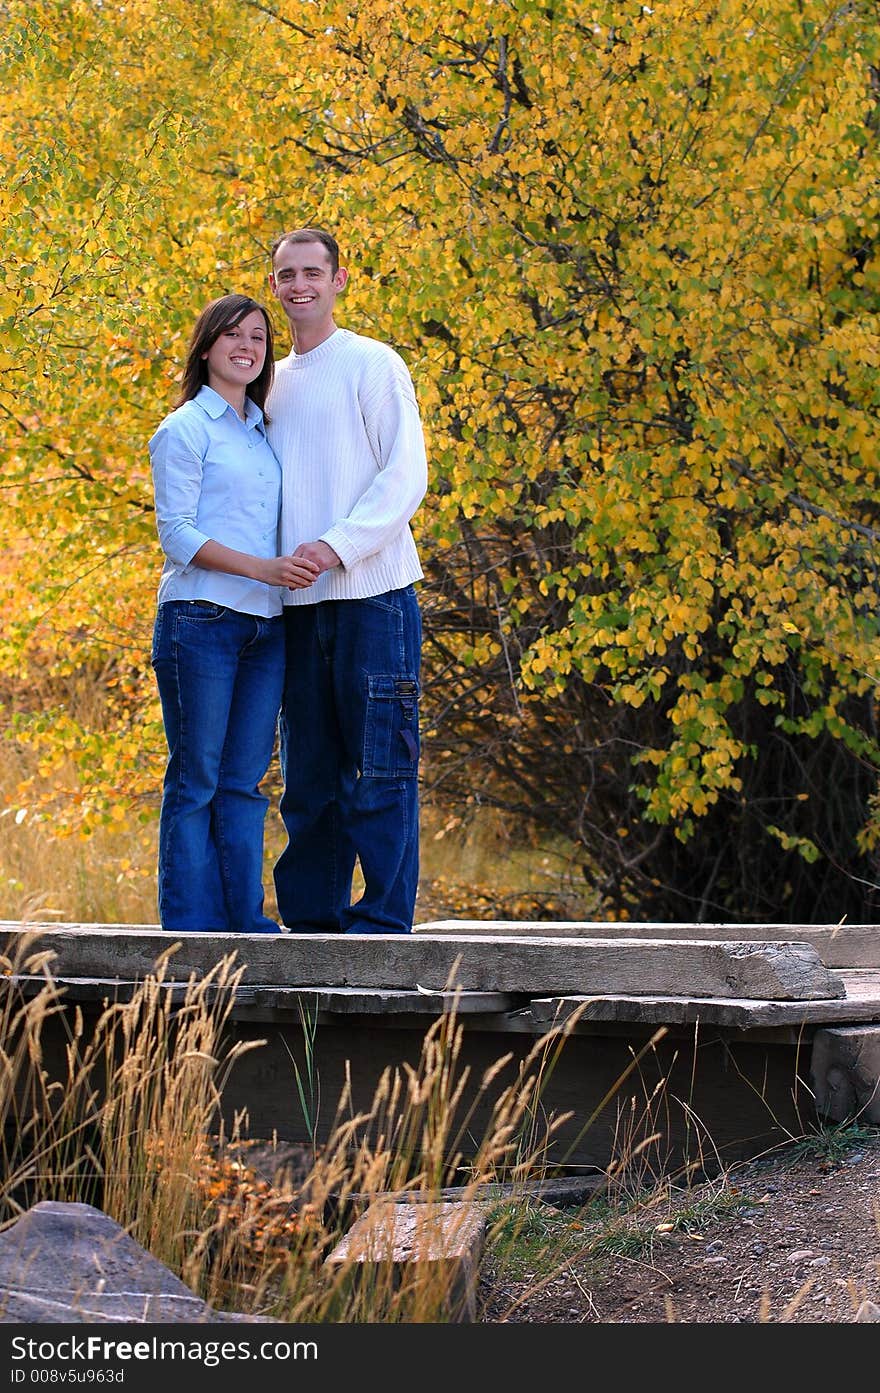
column 793, row 1238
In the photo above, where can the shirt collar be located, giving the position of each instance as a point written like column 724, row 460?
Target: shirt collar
column 214, row 405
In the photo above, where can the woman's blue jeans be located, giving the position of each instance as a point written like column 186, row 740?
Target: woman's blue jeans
column 350, row 758
column 220, row 675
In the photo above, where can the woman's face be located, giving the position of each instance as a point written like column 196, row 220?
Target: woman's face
column 237, row 355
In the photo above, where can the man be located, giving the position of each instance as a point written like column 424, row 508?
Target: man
column 345, row 425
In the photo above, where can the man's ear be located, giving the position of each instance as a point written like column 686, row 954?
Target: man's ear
column 340, row 280
column 273, row 286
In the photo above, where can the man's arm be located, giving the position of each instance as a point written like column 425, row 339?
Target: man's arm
column 394, row 431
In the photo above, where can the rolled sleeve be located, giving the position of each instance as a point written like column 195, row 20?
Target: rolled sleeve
column 177, row 460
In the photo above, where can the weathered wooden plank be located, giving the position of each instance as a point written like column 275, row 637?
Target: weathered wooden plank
column 29, row 923
column 563, row 1190
column 861, row 1003
column 845, row 1073
column 508, row 1012
column 742, row 1094
column 338, row 1001
column 344, row 1208
column 535, row 966
column 838, row 945
column 444, row 1241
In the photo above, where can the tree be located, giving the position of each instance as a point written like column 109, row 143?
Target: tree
column 631, row 255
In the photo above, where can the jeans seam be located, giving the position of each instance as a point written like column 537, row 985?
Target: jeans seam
column 334, row 830
column 181, row 734
column 389, row 606
column 217, row 801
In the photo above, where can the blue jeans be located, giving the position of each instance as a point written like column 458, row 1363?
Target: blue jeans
column 220, row 675
column 350, row 757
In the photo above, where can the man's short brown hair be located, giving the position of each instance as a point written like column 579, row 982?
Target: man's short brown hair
column 310, row 234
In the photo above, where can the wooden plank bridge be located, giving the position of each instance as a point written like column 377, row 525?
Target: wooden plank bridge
column 767, row 1028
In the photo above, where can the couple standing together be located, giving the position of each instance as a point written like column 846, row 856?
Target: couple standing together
column 283, row 495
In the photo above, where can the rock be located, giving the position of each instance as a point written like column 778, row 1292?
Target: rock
column 71, row 1262
column 868, row 1311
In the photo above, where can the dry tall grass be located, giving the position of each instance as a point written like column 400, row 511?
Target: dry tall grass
column 125, row 1117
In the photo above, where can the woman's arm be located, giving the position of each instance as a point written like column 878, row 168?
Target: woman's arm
column 177, row 452
column 295, row 572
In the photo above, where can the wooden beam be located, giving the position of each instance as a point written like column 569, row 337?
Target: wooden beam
column 861, row 1003
column 438, row 1245
column 294, row 1001
column 437, row 963
column 845, row 1074
column 838, row 945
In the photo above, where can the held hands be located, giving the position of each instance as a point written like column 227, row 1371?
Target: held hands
column 321, row 553
column 295, row 572
column 302, row 569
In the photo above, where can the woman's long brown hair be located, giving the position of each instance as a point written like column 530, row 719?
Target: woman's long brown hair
column 214, row 320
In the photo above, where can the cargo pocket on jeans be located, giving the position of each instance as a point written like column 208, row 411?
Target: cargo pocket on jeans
column 391, row 734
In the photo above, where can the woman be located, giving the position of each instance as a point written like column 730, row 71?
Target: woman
column 218, row 645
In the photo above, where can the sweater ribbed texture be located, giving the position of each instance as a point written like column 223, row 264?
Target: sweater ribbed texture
column 345, row 425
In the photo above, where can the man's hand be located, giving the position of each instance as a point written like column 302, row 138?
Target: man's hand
column 295, row 572
column 320, row 553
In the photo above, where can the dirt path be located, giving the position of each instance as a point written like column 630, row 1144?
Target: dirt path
column 792, row 1238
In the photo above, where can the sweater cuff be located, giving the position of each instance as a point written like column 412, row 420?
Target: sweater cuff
column 341, row 544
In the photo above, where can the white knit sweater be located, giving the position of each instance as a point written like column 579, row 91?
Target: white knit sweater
column 344, row 422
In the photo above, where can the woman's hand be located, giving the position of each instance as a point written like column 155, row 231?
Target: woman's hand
column 294, row 572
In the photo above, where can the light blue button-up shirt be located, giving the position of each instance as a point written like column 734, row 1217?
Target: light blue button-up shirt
column 216, row 478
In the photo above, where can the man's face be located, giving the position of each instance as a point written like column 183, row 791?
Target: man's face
column 304, row 284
